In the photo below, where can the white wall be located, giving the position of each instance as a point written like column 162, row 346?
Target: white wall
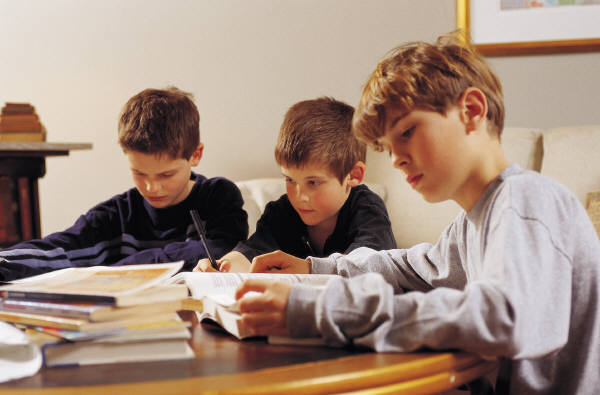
column 246, row 61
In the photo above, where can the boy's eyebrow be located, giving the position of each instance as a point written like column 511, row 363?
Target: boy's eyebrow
column 161, row 173
column 397, row 119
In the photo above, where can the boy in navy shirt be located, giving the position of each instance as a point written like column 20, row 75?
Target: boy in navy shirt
column 160, row 135
column 325, row 209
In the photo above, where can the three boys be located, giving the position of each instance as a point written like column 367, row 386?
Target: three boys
column 515, row 276
column 160, row 135
column 325, row 209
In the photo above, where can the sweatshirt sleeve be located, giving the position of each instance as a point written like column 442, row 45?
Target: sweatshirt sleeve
column 501, row 311
column 76, row 246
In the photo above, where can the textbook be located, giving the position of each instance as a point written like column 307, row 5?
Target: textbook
column 165, row 344
column 153, row 330
column 216, row 291
column 76, row 324
column 112, row 285
column 86, row 310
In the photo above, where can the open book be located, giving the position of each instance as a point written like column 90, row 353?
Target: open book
column 217, row 293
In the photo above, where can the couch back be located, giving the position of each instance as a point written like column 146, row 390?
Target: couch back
column 570, row 155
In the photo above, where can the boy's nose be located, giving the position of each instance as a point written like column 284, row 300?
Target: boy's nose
column 399, row 160
column 300, row 195
column 152, row 186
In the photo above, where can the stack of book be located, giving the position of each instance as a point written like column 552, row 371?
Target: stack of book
column 19, row 122
column 81, row 316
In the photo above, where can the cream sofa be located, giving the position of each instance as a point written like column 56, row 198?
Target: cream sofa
column 570, row 155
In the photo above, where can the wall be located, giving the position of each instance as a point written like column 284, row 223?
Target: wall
column 246, row 61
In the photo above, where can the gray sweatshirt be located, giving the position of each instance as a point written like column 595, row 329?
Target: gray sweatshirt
column 516, row 278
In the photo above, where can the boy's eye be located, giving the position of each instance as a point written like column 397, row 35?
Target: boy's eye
column 289, row 180
column 409, row 132
column 314, row 183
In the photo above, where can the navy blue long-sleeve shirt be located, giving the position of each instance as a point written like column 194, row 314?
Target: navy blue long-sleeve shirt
column 362, row 222
column 126, row 230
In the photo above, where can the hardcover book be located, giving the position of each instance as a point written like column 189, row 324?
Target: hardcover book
column 112, row 285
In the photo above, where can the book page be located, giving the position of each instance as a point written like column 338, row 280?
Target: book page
column 201, row 284
column 593, row 209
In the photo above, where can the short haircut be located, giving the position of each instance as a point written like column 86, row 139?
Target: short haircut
column 160, row 121
column 426, row 76
column 319, row 131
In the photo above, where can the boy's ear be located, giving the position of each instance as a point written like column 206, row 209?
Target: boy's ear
column 357, row 174
column 473, row 108
column 197, row 155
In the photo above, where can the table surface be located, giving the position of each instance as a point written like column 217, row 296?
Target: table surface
column 224, row 364
column 40, row 148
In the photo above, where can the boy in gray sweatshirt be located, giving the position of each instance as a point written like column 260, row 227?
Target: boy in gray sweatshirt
column 516, row 276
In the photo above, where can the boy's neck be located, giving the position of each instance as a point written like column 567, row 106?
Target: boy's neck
column 319, row 234
column 486, row 169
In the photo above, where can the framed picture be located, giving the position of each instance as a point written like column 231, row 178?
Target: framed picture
column 521, row 27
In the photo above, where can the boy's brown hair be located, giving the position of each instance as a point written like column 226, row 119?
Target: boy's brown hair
column 428, row 77
column 319, row 131
column 160, row 121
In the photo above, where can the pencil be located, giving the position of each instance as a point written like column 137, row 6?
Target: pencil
column 200, row 229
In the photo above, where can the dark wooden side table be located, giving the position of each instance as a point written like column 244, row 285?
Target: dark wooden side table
column 21, row 164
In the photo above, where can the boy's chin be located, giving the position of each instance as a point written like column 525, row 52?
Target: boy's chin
column 158, row 204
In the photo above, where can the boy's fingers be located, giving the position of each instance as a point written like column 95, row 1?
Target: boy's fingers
column 255, row 285
column 204, row 266
column 267, row 262
column 224, row 265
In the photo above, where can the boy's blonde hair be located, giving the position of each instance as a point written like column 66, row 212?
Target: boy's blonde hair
column 160, row 121
column 428, row 77
column 319, row 131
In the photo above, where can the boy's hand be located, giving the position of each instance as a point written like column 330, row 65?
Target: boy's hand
column 264, row 314
column 205, row 266
column 233, row 261
column 279, row 262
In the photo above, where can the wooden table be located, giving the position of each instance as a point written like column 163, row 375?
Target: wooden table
column 21, row 164
column 224, row 364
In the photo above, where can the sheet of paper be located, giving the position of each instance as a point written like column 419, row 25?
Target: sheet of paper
column 18, row 357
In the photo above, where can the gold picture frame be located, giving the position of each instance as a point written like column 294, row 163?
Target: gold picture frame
column 522, row 45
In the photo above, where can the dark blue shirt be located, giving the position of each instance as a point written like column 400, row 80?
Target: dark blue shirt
column 362, row 222
column 126, row 230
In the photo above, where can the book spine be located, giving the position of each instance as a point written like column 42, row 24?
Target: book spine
column 19, row 118
column 22, row 136
column 20, row 127
column 58, row 297
column 48, row 310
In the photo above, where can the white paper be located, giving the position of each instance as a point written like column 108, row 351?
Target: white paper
column 18, row 357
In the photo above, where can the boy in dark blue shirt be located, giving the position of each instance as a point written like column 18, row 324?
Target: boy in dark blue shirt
column 160, row 135
column 325, row 209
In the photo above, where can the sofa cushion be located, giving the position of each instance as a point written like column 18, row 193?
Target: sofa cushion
column 260, row 191
column 572, row 157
